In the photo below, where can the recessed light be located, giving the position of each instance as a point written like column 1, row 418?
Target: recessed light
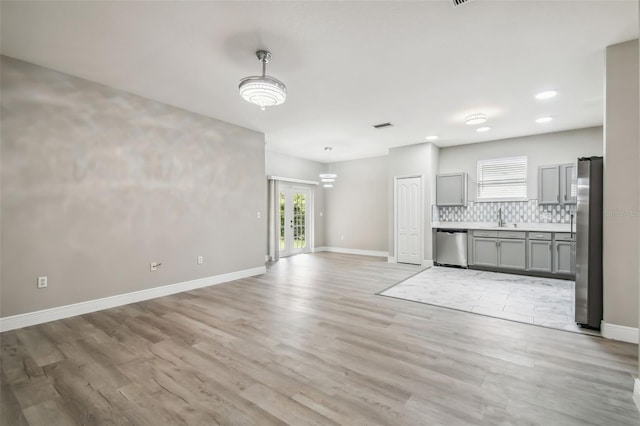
column 547, row 94
column 328, row 185
column 483, row 129
column 544, row 119
column 474, row 119
column 431, row 138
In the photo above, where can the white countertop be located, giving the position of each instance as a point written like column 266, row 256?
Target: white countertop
column 493, row 226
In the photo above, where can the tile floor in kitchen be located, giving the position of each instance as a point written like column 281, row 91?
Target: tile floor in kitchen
column 540, row 301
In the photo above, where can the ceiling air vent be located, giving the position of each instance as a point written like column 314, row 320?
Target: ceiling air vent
column 382, row 125
column 459, row 2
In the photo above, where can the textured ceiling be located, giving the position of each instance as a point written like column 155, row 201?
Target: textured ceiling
column 423, row 66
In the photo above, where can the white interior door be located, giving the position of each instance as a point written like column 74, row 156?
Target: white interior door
column 409, row 220
column 294, row 220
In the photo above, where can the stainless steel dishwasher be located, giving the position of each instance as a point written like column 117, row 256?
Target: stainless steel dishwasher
column 451, row 247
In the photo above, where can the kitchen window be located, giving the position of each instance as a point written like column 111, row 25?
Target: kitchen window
column 502, row 179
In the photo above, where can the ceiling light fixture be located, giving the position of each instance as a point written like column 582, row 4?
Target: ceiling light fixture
column 544, row 119
column 431, row 138
column 328, row 178
column 263, row 90
column 483, row 129
column 547, row 94
column 474, row 119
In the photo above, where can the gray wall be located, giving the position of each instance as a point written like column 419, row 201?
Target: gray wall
column 421, row 159
column 621, row 175
column 282, row 165
column 97, row 183
column 546, row 149
column 356, row 207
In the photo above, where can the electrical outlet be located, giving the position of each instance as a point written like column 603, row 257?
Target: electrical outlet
column 200, row 260
column 154, row 266
column 341, row 237
column 42, row 282
column 258, row 215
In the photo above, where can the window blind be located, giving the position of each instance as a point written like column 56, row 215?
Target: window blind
column 502, row 178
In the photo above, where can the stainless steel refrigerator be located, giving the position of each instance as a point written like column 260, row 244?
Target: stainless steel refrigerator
column 588, row 255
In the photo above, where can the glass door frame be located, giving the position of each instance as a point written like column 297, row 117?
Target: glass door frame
column 286, row 240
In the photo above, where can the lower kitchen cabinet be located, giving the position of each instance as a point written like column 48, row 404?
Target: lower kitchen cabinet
column 512, row 254
column 540, row 256
column 488, row 249
column 541, row 252
column 485, row 251
column 563, row 255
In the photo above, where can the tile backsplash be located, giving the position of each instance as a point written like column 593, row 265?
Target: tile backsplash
column 512, row 211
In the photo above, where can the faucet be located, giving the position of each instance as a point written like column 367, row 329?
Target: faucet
column 501, row 221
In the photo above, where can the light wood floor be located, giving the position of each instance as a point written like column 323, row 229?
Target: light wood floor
column 310, row 343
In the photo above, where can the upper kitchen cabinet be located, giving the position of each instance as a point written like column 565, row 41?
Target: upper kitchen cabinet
column 548, row 184
column 557, row 184
column 451, row 189
column 568, row 183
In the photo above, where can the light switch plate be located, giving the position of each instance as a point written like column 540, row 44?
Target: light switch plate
column 42, row 282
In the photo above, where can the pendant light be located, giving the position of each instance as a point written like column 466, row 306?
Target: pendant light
column 263, row 90
column 328, row 178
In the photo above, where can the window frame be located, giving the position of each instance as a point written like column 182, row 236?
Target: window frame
column 505, row 199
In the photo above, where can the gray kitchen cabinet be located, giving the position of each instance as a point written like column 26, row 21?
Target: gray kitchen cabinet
column 539, row 252
column 540, row 255
column 485, row 251
column 563, row 257
column 499, row 249
column 568, row 183
column 451, row 189
column 557, row 184
column 548, row 184
column 512, row 254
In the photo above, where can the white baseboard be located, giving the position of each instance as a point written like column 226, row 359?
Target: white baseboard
column 427, row 263
column 353, row 251
column 392, row 259
column 619, row 332
column 60, row 312
column 636, row 392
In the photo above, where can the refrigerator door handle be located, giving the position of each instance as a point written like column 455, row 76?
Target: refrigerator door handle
column 571, row 216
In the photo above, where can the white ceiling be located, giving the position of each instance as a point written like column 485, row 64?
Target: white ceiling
column 423, row 66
